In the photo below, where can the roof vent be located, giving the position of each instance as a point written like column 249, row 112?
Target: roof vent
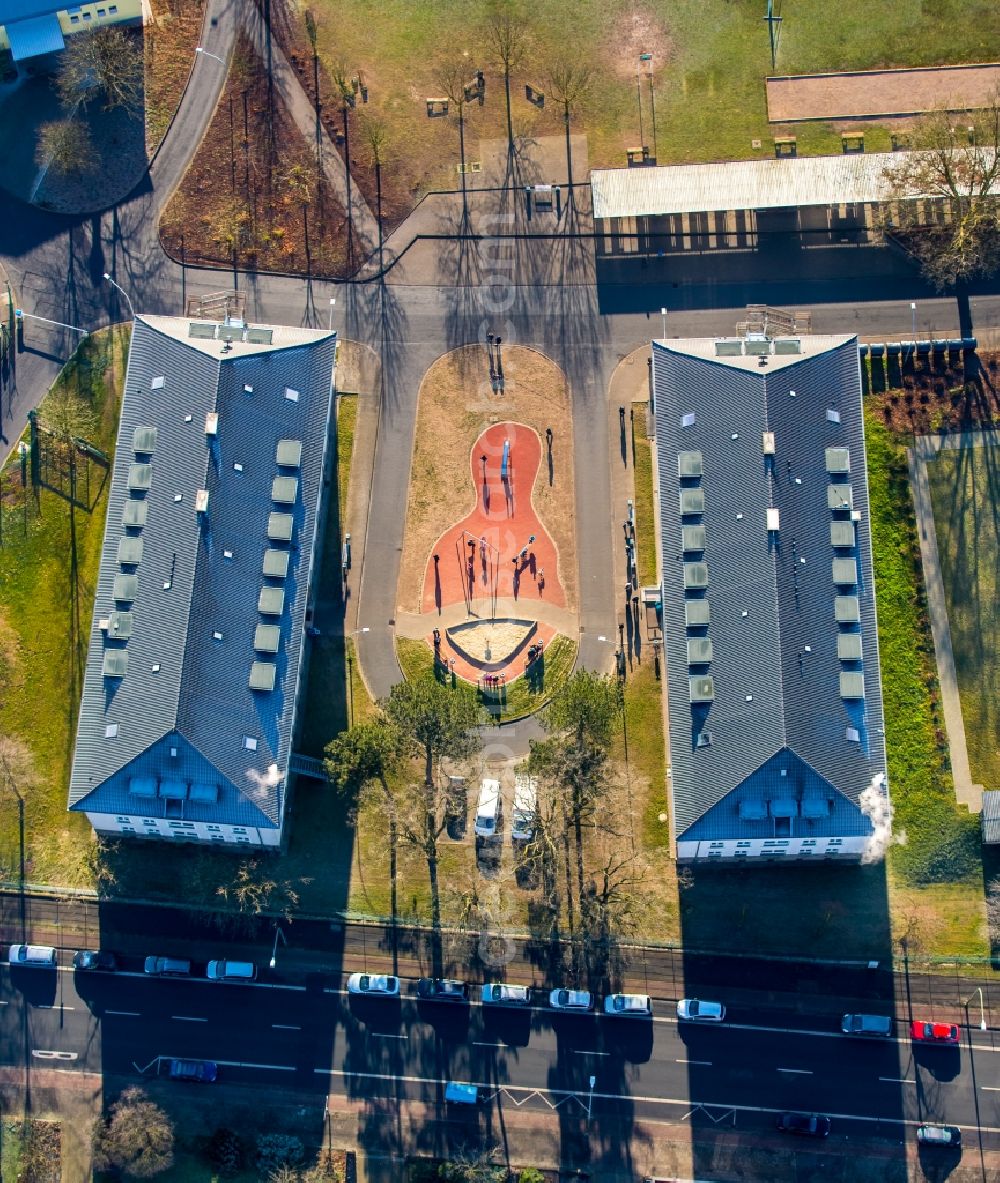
column 291, row 394
column 773, row 520
column 144, row 439
column 247, row 388
column 201, row 501
column 767, row 443
column 289, row 453
column 250, row 743
column 110, row 730
column 262, row 675
column 212, row 423
column 688, row 419
column 832, row 416
column 157, row 382
column 115, row 663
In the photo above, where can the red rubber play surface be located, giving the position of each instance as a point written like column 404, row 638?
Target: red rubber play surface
column 499, row 551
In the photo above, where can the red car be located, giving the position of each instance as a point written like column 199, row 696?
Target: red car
column 922, row 1032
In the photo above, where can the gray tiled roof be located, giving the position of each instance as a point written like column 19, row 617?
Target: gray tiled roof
column 774, row 663
column 195, row 609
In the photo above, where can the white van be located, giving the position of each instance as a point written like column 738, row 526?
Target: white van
column 525, row 812
column 488, row 808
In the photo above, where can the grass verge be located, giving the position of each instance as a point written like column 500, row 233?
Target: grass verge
column 169, row 43
column 964, row 491
column 938, row 841
column 40, row 661
column 645, row 514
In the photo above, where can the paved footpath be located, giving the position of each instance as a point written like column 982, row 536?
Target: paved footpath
column 925, row 448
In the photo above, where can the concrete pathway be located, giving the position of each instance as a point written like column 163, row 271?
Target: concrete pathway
column 417, row 625
column 925, row 448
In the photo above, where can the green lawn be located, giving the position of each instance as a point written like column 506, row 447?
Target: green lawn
column 936, row 873
column 710, row 57
column 523, row 696
column 40, row 665
column 965, row 492
column 645, row 516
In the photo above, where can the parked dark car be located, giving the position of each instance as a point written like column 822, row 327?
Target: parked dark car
column 442, row 990
column 809, row 1125
column 94, row 959
column 202, row 1071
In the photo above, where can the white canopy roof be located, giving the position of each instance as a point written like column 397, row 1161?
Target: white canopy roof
column 741, row 185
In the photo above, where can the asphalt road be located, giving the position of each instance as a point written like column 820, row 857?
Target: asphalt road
column 315, row 1039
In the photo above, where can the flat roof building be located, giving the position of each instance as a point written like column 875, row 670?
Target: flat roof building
column 777, row 744
column 198, row 639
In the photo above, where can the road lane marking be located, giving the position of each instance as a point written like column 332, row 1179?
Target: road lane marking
column 897, row 1080
column 188, row 1019
column 42, row 1055
column 134, row 1014
column 285, row 1027
column 797, row 1071
column 582, row 1051
column 264, row 1067
column 989, row 1088
column 697, row 1063
column 53, row 1006
column 491, row 1088
column 486, row 1043
column 392, row 1035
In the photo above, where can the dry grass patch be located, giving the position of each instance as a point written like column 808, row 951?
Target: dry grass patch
column 456, row 405
column 169, row 43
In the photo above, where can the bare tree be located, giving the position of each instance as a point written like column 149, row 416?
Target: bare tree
column 253, row 890
column 343, row 86
column 108, row 62
column 137, row 1139
column 507, row 32
column 452, row 77
column 569, row 79
column 65, row 147
column 373, row 128
column 944, row 203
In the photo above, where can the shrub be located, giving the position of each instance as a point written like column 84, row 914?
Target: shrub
column 225, row 1151
column 531, row 1175
column 275, row 1151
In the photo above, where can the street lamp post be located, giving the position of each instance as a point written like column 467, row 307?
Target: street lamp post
column 278, row 932
column 913, row 338
column 590, row 1097
column 982, row 1007
column 333, row 301
column 8, row 780
column 663, row 313
column 205, row 53
column 350, row 674
column 118, row 287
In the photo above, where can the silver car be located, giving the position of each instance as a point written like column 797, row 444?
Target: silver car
column 697, row 1009
column 638, row 1006
column 573, row 1000
column 501, row 994
column 32, row 955
column 374, row 984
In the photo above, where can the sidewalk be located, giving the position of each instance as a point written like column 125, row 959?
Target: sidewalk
column 925, row 448
column 607, row 1149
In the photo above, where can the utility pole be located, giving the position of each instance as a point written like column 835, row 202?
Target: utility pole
column 772, row 23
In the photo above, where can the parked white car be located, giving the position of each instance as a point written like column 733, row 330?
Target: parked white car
column 574, row 1000
column 638, row 1006
column 384, row 984
column 699, row 1009
column 32, row 955
column 501, row 994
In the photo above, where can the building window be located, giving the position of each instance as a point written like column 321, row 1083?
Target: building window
column 74, row 20
column 213, row 829
column 239, row 829
column 218, row 838
column 113, row 9
column 87, row 16
column 123, row 820
column 128, row 829
column 101, row 12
